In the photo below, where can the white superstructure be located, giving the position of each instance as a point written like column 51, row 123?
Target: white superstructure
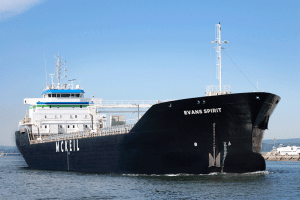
column 288, row 150
column 63, row 110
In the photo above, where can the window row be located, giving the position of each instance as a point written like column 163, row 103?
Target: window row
column 60, row 116
column 63, row 95
column 50, row 106
column 68, row 126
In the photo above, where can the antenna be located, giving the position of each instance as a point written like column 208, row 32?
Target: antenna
column 65, row 69
column 58, row 71
column 72, row 82
column 58, row 68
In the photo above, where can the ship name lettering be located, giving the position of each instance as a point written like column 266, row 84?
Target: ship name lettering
column 57, row 146
column 200, row 111
column 212, row 110
column 66, row 146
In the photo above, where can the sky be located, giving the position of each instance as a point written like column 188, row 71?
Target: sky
column 150, row 50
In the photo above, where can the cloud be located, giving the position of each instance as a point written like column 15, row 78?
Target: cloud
column 9, row 8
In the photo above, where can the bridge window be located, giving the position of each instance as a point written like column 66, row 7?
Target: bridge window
column 53, row 95
column 49, row 95
column 77, row 95
column 65, row 95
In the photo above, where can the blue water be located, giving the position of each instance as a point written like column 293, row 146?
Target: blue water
column 281, row 180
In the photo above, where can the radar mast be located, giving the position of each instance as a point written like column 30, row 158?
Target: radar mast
column 221, row 89
column 58, row 69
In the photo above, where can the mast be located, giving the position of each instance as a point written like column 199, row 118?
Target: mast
column 58, row 69
column 218, row 48
column 210, row 90
column 219, row 51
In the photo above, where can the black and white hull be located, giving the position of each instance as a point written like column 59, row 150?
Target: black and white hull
column 193, row 136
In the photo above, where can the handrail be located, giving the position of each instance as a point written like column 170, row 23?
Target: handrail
column 121, row 129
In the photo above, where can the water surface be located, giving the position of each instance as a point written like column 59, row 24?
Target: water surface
column 17, row 181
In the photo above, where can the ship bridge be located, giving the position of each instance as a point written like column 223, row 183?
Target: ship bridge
column 61, row 93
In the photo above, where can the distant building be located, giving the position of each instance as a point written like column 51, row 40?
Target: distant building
column 288, row 150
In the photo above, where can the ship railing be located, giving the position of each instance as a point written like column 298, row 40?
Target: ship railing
column 59, row 86
column 213, row 90
column 98, row 101
column 125, row 102
column 121, row 129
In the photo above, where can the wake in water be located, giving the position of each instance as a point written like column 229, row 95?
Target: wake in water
column 210, row 174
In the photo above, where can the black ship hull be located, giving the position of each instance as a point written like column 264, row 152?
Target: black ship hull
column 194, row 136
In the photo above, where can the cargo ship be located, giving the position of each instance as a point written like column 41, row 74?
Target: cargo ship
column 219, row 132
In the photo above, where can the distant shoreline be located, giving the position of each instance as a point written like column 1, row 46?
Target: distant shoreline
column 273, row 157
